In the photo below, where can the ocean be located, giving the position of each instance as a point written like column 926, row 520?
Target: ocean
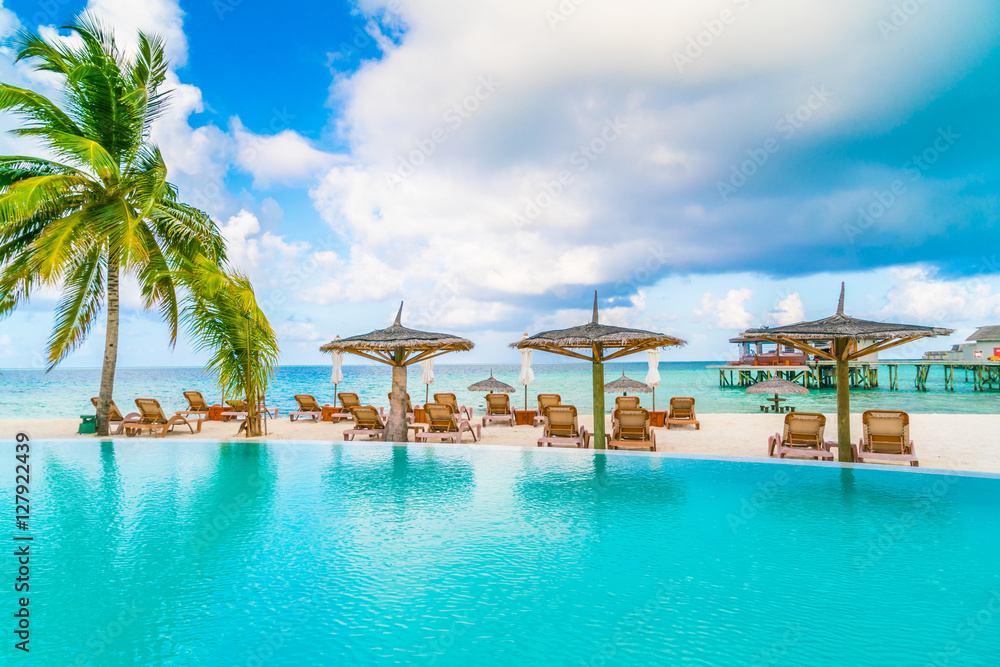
column 66, row 392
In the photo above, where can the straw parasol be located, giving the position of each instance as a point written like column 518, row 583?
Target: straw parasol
column 591, row 342
column 399, row 347
column 492, row 386
column 777, row 386
column 845, row 333
column 625, row 385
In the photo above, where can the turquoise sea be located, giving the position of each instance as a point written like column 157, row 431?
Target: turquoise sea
column 66, row 392
column 305, row 554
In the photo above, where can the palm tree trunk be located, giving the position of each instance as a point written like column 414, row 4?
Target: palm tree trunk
column 110, row 351
column 396, row 425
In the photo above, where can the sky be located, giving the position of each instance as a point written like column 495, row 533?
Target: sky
column 706, row 166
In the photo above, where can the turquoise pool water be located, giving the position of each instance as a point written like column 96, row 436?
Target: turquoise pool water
column 197, row 553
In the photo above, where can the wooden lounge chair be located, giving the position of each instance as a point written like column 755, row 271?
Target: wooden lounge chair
column 460, row 410
column 886, row 437
column 115, row 417
column 561, row 428
column 682, row 412
column 802, row 436
column 545, row 401
column 444, row 425
column 152, row 419
column 367, row 422
column 197, row 405
column 627, row 403
column 631, row 430
column 408, row 404
column 498, row 409
column 348, row 400
column 308, row 407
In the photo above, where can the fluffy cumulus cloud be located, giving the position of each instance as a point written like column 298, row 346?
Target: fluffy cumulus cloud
column 525, row 149
column 729, row 312
column 285, row 157
column 788, row 311
column 918, row 295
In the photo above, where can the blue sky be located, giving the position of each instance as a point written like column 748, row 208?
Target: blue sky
column 707, row 166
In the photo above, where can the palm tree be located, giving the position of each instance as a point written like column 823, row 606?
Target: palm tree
column 224, row 318
column 99, row 206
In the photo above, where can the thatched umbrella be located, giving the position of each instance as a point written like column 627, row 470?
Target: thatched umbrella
column 777, row 386
column 625, row 385
column 399, row 347
column 845, row 333
column 590, row 342
column 492, row 386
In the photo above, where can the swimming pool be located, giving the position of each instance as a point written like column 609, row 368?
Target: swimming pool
column 179, row 552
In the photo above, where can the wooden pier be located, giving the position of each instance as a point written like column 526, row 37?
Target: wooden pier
column 985, row 375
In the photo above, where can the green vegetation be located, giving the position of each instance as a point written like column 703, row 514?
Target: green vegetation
column 99, row 207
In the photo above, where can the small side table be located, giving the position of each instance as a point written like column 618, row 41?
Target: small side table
column 215, row 413
column 657, row 417
column 334, row 413
column 419, row 416
column 524, row 417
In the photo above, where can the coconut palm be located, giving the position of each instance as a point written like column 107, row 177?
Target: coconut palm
column 98, row 207
column 223, row 317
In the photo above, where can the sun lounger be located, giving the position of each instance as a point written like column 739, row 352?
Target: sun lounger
column 197, row 406
column 498, row 409
column 309, row 407
column 460, row 410
column 802, row 436
column 886, row 437
column 561, row 428
column 545, row 401
column 367, row 422
column 444, row 425
column 152, row 418
column 631, row 430
column 115, row 417
column 682, row 412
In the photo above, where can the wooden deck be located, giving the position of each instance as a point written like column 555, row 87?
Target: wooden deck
column 984, row 375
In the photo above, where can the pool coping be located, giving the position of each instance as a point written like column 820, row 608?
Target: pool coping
column 562, row 450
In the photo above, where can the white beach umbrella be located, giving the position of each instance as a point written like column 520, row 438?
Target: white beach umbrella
column 427, row 377
column 527, row 375
column 338, row 375
column 653, row 376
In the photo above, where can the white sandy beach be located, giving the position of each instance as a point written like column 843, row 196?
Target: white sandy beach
column 947, row 441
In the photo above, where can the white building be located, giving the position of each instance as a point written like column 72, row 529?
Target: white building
column 982, row 345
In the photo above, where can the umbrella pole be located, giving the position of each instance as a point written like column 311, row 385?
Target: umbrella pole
column 598, row 404
column 525, row 397
column 334, row 394
column 654, row 399
column 843, row 401
column 396, row 426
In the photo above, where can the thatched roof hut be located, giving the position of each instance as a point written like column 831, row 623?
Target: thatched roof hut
column 846, row 334
column 590, row 342
column 625, row 385
column 399, row 347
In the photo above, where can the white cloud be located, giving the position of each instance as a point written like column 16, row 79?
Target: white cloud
column 917, row 296
column 442, row 162
column 285, row 157
column 298, row 332
column 728, row 312
column 789, row 311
